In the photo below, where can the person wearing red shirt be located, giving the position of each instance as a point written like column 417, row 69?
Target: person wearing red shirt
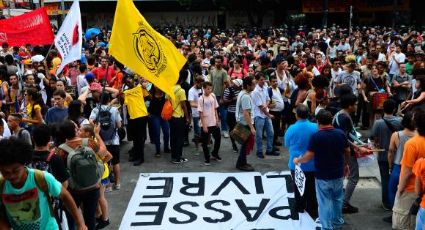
column 100, row 72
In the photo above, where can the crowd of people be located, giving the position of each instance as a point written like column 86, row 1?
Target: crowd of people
column 308, row 91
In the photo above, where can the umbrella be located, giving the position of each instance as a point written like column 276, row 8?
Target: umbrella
column 90, row 32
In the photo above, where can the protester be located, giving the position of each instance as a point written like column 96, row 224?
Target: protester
column 220, row 81
column 110, row 120
column 207, row 108
column 262, row 117
column 22, row 134
column 331, row 151
column 138, row 113
column 230, row 96
column 193, row 98
column 19, row 180
column 414, row 149
column 155, row 108
column 381, row 134
column 297, row 138
column 59, row 112
column 244, row 116
column 395, row 153
column 178, row 122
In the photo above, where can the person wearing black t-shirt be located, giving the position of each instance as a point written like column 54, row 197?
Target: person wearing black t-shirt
column 43, row 159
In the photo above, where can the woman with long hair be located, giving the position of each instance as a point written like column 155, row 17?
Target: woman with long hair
column 35, row 108
column 75, row 113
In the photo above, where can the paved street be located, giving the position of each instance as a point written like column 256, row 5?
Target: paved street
column 367, row 196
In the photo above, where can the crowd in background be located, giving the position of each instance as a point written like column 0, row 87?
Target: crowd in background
column 309, row 91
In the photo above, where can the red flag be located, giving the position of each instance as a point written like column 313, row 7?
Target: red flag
column 31, row 28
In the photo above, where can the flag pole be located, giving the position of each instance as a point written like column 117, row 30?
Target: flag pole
column 48, row 51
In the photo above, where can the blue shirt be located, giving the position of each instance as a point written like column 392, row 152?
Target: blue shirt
column 297, row 138
column 56, row 115
column 328, row 146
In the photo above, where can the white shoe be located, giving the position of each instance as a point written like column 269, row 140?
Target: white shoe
column 226, row 134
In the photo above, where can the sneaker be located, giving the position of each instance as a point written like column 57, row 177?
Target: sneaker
column 260, row 155
column 102, row 224
column 386, row 207
column 117, row 186
column 226, row 134
column 182, row 160
column 388, row 219
column 108, row 189
column 235, row 150
column 176, row 161
column 216, row 158
column 207, row 163
column 348, row 209
column 246, row 167
column 274, row 153
column 158, row 155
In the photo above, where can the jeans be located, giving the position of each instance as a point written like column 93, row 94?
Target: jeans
column 159, row 124
column 177, row 131
column 384, row 170
column 260, row 124
column 353, row 178
column 231, row 122
column 215, row 131
column 276, row 125
column 308, row 200
column 330, row 197
column 138, row 127
column 196, row 127
column 88, row 200
column 420, row 219
column 393, row 183
column 222, row 110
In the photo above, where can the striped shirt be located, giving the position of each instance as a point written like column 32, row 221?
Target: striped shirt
column 228, row 94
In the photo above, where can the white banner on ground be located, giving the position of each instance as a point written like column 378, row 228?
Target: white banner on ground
column 211, row 201
column 68, row 40
column 299, row 179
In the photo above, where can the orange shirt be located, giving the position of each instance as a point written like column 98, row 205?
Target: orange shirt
column 118, row 80
column 413, row 150
column 419, row 171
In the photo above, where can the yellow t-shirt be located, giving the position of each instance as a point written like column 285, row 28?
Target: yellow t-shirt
column 29, row 110
column 134, row 99
column 180, row 95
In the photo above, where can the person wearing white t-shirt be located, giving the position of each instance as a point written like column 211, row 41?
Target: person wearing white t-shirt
column 193, row 97
column 81, row 79
column 207, row 108
column 276, row 107
column 395, row 60
column 262, row 117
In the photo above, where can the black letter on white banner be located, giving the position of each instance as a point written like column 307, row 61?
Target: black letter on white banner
column 258, row 210
column 288, row 181
column 158, row 214
column 178, row 208
column 293, row 213
column 200, row 186
column 226, row 182
column 226, row 215
column 167, row 187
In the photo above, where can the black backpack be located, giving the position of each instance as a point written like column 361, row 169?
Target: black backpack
column 107, row 127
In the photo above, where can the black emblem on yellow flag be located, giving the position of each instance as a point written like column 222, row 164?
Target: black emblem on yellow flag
column 148, row 50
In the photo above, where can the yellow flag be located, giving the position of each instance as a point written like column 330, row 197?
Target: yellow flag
column 138, row 46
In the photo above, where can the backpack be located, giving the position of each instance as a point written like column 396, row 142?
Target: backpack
column 167, row 110
column 270, row 91
column 84, row 169
column 107, row 127
column 42, row 164
column 41, row 183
